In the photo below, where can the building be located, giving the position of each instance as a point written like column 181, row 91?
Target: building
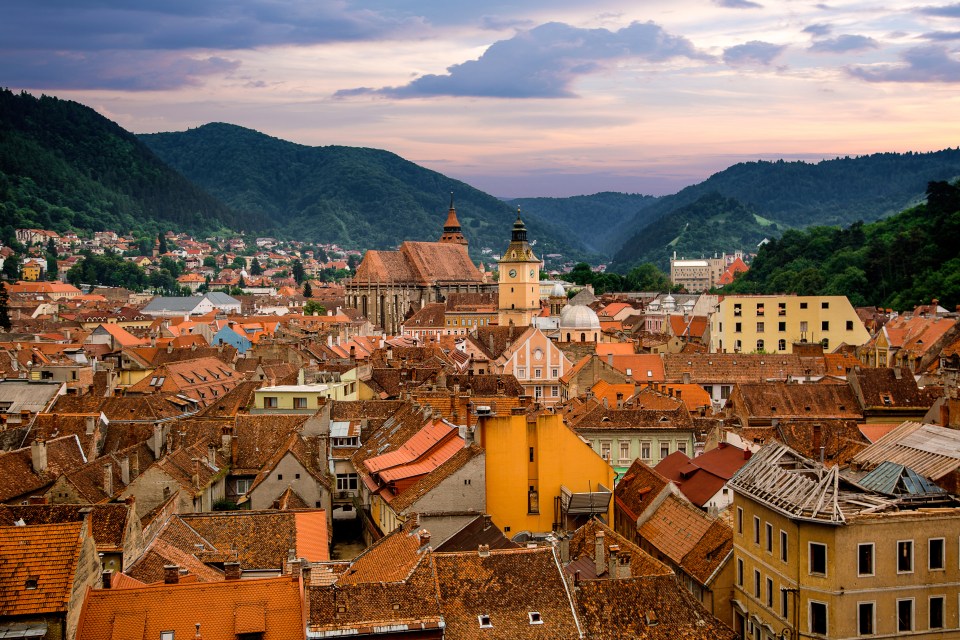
column 537, row 363
column 696, row 275
column 818, row 555
column 179, row 307
column 301, row 398
column 390, row 286
column 540, row 476
column 519, row 281
column 772, row 324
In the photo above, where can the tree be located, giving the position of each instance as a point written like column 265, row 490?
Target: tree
column 255, row 268
column 319, row 254
column 163, row 243
column 307, row 290
column 51, row 247
column 4, row 312
column 314, row 307
column 210, row 261
column 353, row 261
column 11, row 268
column 298, row 272
column 52, row 267
column 238, row 263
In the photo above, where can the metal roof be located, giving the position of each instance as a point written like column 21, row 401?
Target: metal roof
column 931, row 451
column 896, row 480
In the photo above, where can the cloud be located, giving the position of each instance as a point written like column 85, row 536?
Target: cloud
column 738, row 4
column 928, row 63
column 500, row 23
column 818, row 30
column 945, row 11
column 845, row 43
column 754, row 52
column 113, row 70
column 544, row 62
column 941, row 36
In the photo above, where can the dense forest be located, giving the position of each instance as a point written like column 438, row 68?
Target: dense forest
column 595, row 220
column 899, row 262
column 63, row 166
column 353, row 196
column 792, row 195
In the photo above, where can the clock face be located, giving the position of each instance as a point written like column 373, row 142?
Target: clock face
column 531, row 273
column 513, row 273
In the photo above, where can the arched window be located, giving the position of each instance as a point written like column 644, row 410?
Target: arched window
column 568, row 337
column 782, row 345
column 583, row 337
column 759, row 345
column 737, row 346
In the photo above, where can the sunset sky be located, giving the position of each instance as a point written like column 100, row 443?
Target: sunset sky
column 521, row 98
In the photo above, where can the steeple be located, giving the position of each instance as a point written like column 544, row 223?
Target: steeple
column 451, row 228
column 519, row 229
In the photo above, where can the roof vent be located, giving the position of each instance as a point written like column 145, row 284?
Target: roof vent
column 485, row 622
column 535, row 617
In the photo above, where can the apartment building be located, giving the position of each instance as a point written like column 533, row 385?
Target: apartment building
column 819, row 556
column 772, row 324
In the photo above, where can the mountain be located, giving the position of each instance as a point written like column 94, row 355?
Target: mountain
column 595, row 220
column 897, row 263
column 356, row 197
column 795, row 195
column 64, row 166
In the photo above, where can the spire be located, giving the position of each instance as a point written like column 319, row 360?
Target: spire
column 519, row 229
column 451, row 228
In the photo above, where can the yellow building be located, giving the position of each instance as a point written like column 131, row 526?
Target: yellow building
column 31, row 271
column 301, row 398
column 771, row 324
column 816, row 556
column 540, row 476
column 519, row 282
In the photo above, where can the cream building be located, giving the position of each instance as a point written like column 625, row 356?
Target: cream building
column 817, row 556
column 771, row 324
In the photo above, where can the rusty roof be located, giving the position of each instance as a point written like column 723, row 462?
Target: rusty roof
column 108, row 522
column 408, row 497
column 17, row 477
column 37, row 566
column 738, row 367
column 637, row 489
column 675, row 528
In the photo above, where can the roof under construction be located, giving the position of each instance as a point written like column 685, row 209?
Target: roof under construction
column 803, row 489
column 928, row 449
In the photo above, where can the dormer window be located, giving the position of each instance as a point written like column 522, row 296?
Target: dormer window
column 485, row 622
column 535, row 617
column 651, row 618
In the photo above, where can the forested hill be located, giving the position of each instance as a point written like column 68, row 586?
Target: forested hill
column 63, row 166
column 899, row 262
column 800, row 194
column 596, row 220
column 357, row 197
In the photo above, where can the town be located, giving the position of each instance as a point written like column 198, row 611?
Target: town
column 310, row 442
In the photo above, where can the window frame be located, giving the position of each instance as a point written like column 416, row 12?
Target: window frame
column 768, row 532
column 757, row 584
column 943, row 554
column 784, row 545
column 873, row 560
column 740, row 572
column 943, row 612
column 756, row 530
column 740, row 520
column 913, row 612
column 873, row 618
column 826, row 617
column 912, row 563
column 826, row 564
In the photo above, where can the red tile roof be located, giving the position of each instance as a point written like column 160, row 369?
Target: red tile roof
column 37, row 566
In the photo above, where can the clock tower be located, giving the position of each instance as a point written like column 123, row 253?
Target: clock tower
column 519, row 280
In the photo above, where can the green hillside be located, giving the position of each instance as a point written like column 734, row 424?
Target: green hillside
column 595, row 220
column 899, row 262
column 354, row 196
column 63, row 166
column 797, row 195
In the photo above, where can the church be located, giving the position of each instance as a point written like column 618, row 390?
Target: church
column 390, row 286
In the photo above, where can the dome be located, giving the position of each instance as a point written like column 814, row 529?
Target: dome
column 579, row 317
column 557, row 291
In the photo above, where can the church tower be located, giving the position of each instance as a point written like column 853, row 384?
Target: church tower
column 519, row 280
column 451, row 228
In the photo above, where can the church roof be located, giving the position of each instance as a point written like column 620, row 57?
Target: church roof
column 420, row 263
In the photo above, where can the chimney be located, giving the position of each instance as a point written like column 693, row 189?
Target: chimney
column 107, row 578
column 610, row 359
column 91, row 423
column 38, row 456
column 232, row 570
column 108, row 479
column 624, row 562
column 211, row 455
column 125, row 470
column 135, row 467
column 564, row 551
column 598, row 555
column 424, row 536
column 612, row 561
column 171, row 574
column 483, row 550
column 157, row 441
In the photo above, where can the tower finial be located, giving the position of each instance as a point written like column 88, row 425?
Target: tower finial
column 451, row 199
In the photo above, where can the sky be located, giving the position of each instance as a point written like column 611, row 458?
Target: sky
column 529, row 98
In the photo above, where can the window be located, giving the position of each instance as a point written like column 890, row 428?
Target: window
column 740, row 520
column 605, row 450
column 521, row 372
column 645, row 450
column 624, row 450
column 803, row 305
column 905, row 556
column 781, row 308
column 347, row 482
column 768, row 530
column 936, row 612
column 243, row 485
column 737, row 309
column 824, row 305
column 299, row 403
column 535, row 617
column 803, row 326
column 538, row 373
column 818, row 618
column 555, row 372
column 935, row 548
column 664, row 450
column 781, row 345
column 682, row 447
column 554, row 392
column 759, row 345
column 784, row 603
column 269, row 402
column 770, row 593
column 849, row 325
column 756, row 583
column 166, row 635
column 485, row 622
column 825, row 325
column 905, row 615
column 759, row 308
column 865, row 618
column 740, row 572
column 759, row 327
column 756, row 530
column 865, row 559
column 279, row 476
column 738, row 327
column 783, row 545
column 781, row 326
column 538, row 391
column 818, row 558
